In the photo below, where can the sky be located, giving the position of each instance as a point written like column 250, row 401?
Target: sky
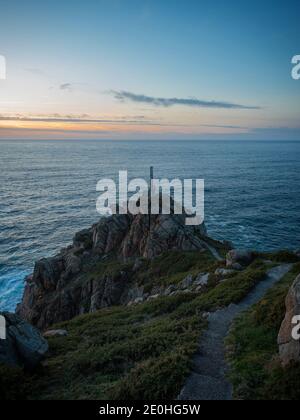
column 149, row 69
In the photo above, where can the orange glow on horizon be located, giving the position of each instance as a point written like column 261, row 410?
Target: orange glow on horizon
column 9, row 128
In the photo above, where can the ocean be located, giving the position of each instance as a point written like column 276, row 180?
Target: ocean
column 48, row 192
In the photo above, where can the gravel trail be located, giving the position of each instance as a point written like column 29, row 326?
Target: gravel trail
column 208, row 378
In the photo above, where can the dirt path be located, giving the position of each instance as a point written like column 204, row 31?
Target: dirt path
column 208, row 378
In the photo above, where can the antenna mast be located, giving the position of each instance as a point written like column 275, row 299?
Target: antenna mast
column 150, row 191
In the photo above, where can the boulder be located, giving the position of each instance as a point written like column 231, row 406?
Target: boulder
column 24, row 346
column 289, row 348
column 238, row 256
column 223, row 272
column 187, row 282
column 55, row 333
column 138, row 300
column 170, row 289
column 153, row 297
column 201, row 279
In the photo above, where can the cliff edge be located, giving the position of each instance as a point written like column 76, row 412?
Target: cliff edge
column 99, row 269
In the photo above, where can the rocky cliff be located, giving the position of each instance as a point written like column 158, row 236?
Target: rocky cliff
column 99, row 268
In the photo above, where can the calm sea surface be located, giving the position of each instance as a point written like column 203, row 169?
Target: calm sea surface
column 47, row 193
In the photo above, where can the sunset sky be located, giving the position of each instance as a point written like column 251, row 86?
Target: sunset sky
column 149, row 69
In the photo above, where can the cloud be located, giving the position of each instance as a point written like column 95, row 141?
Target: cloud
column 123, row 96
column 65, row 86
column 83, row 118
column 234, row 127
column 81, row 86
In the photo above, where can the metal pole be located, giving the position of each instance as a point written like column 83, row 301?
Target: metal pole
column 149, row 202
column 151, row 173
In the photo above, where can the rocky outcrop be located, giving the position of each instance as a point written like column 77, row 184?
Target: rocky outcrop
column 289, row 347
column 55, row 333
column 237, row 258
column 60, row 289
column 223, row 272
column 82, row 293
column 189, row 284
column 23, row 346
column 141, row 236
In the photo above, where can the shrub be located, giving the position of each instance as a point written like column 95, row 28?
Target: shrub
column 252, row 349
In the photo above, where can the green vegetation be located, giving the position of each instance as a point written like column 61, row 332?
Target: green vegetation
column 145, row 351
column 252, row 349
column 110, row 267
column 133, row 352
column 169, row 268
column 221, row 247
column 282, row 256
column 136, row 352
column 232, row 290
column 173, row 266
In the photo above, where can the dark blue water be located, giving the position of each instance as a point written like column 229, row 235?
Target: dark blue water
column 47, row 193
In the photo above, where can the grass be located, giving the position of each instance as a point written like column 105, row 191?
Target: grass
column 169, row 268
column 111, row 267
column 232, row 290
column 252, row 349
column 173, row 266
column 283, row 256
column 121, row 351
